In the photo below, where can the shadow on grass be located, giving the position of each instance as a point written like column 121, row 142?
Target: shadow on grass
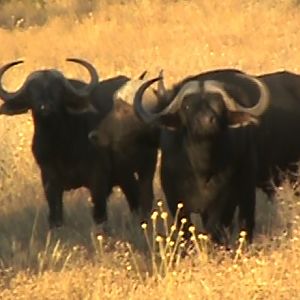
column 27, row 244
column 25, row 237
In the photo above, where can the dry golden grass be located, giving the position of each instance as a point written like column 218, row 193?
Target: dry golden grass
column 182, row 37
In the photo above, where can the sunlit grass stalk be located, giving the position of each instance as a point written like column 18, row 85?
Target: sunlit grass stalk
column 181, row 249
column 154, row 229
column 169, row 241
column 66, row 261
column 200, row 242
column 32, row 235
column 196, row 242
column 135, row 263
column 179, row 207
column 56, row 253
column 163, row 268
column 175, row 248
column 97, row 241
column 242, row 241
column 150, row 248
column 203, row 242
column 164, row 216
column 172, row 231
column 42, row 256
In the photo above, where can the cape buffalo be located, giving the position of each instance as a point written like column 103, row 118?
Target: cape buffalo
column 64, row 112
column 208, row 161
column 277, row 145
column 134, row 144
column 277, row 150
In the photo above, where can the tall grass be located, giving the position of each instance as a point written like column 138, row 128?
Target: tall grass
column 126, row 37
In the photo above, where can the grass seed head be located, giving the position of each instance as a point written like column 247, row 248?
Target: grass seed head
column 243, row 234
column 164, row 215
column 192, row 229
column 144, row 225
column 154, row 215
column 159, row 239
column 183, row 221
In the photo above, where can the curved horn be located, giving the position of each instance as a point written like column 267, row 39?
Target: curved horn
column 5, row 95
column 256, row 110
column 137, row 102
column 161, row 89
column 83, row 92
column 189, row 88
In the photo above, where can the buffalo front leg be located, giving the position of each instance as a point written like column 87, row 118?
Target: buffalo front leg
column 214, row 226
column 145, row 181
column 176, row 199
column 54, row 193
column 100, row 194
column 129, row 185
column 245, row 181
column 247, row 216
column 246, row 203
column 146, row 196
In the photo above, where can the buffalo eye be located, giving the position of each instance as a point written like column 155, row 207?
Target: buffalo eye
column 186, row 107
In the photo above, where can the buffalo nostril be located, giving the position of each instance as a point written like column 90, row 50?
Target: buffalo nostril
column 93, row 137
column 209, row 120
column 212, row 120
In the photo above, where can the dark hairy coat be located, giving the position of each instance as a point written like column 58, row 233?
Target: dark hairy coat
column 64, row 112
column 208, row 160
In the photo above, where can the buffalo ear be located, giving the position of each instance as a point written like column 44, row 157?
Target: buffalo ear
column 14, row 107
column 99, row 140
column 241, row 119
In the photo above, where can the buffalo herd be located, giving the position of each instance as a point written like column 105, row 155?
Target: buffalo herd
column 221, row 134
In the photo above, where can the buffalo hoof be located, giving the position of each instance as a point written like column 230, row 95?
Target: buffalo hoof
column 100, row 230
column 93, row 137
column 55, row 224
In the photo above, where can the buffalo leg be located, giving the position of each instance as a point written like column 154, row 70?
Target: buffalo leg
column 174, row 196
column 247, row 217
column 145, row 182
column 247, row 201
column 99, row 193
column 214, row 224
column 129, row 186
column 246, row 180
column 227, row 219
column 54, row 193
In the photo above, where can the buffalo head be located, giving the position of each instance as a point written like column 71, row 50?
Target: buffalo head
column 121, row 125
column 204, row 108
column 48, row 91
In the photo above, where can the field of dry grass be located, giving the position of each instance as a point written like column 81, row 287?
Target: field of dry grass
column 126, row 37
